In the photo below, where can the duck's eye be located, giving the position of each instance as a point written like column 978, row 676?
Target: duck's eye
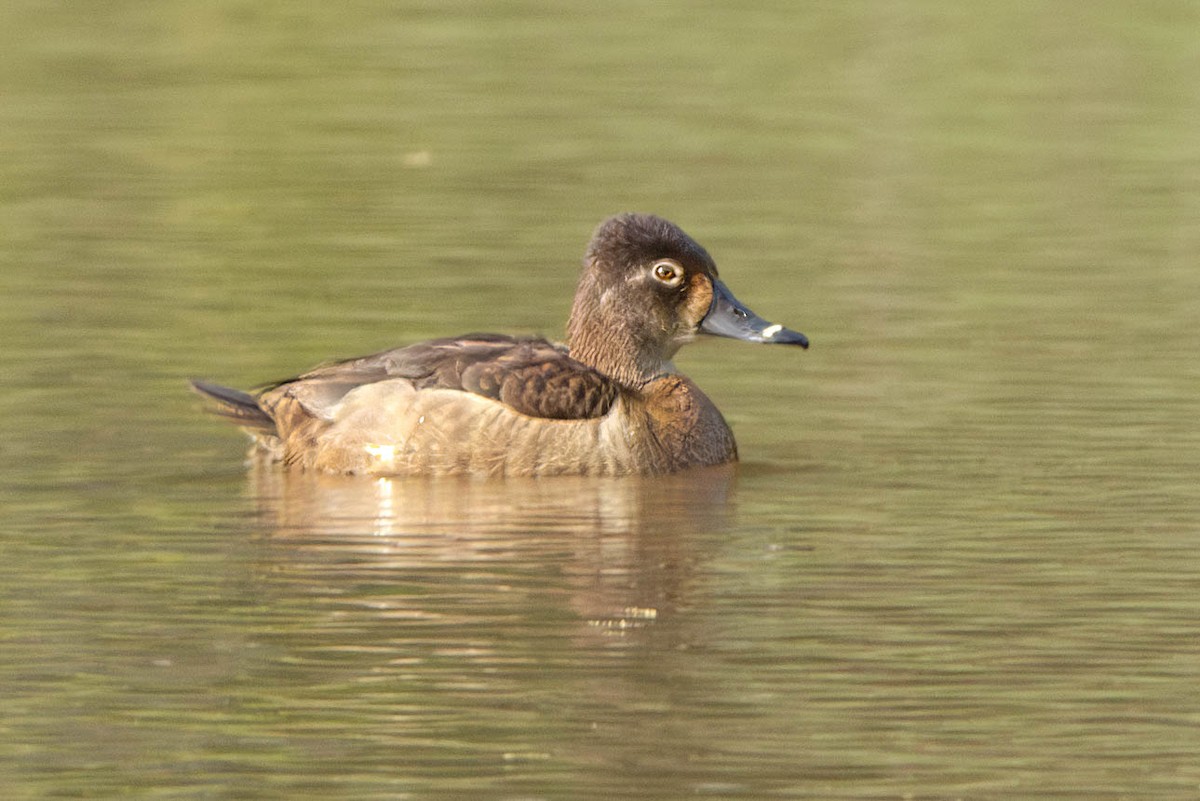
column 668, row 272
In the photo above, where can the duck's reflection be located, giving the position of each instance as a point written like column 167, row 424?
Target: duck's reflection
column 522, row 623
column 616, row 554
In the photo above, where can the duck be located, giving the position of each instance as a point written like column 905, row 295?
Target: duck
column 607, row 401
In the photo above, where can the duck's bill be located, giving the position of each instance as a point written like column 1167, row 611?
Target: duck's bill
column 727, row 317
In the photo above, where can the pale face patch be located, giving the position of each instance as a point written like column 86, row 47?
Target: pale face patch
column 699, row 299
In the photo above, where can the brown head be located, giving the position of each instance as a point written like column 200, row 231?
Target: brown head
column 646, row 290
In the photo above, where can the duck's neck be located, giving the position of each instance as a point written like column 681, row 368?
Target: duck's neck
column 608, row 344
column 608, row 351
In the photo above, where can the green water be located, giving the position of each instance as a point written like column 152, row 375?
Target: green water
column 960, row 559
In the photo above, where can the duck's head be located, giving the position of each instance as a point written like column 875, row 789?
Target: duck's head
column 646, row 290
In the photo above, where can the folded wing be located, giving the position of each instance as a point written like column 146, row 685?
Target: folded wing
column 531, row 376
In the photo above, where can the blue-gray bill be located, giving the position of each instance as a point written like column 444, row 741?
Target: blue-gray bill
column 727, row 317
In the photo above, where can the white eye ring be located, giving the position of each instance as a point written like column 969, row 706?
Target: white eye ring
column 668, row 271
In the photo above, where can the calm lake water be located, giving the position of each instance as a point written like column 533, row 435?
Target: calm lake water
column 960, row 558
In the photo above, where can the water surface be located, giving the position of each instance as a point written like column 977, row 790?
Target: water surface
column 958, row 560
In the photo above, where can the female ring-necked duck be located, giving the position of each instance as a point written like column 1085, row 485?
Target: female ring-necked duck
column 607, row 402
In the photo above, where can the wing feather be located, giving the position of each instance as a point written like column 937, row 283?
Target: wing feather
column 531, row 376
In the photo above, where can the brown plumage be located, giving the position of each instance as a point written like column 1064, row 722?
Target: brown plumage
column 608, row 402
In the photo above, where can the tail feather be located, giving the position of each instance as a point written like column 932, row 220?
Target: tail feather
column 241, row 407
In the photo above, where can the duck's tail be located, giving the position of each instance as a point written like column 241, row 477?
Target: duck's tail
column 240, row 407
